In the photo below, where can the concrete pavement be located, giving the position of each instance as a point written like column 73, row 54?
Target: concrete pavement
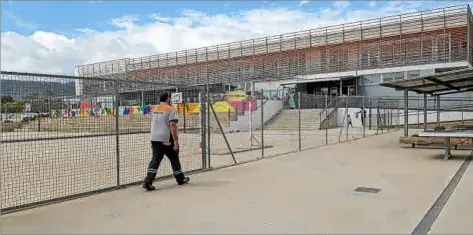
column 304, row 192
column 457, row 215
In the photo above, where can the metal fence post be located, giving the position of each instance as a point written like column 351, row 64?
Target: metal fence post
column 406, row 113
column 438, row 110
column 363, row 115
column 325, row 111
column 207, row 113
column 203, row 138
column 389, row 118
column 315, row 101
column 386, row 107
column 346, row 107
column 418, row 119
column 425, row 112
column 398, row 114
column 390, row 107
column 262, row 123
column 117, row 132
column 369, row 113
column 299, row 118
column 184, row 107
column 250, row 121
column 383, row 116
column 208, row 126
column 377, row 116
column 386, row 116
column 461, row 102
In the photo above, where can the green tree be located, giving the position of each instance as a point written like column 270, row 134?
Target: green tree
column 13, row 107
column 9, row 105
column 6, row 99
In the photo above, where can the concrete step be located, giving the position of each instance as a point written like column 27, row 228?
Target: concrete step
column 288, row 120
column 292, row 119
column 291, row 126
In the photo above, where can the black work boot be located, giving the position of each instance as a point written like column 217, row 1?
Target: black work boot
column 184, row 181
column 148, row 183
column 180, row 178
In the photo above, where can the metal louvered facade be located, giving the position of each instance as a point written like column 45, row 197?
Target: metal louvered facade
column 435, row 36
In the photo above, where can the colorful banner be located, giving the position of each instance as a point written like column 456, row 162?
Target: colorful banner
column 236, row 96
column 91, row 110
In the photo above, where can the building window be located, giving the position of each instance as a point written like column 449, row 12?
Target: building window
column 364, row 81
column 413, row 73
column 370, row 79
column 426, row 72
column 399, row 76
column 387, row 77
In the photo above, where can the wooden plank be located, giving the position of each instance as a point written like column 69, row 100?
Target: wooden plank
column 433, row 140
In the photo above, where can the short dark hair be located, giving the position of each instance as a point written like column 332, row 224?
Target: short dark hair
column 163, row 97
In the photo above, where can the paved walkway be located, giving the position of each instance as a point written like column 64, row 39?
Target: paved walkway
column 306, row 192
column 457, row 215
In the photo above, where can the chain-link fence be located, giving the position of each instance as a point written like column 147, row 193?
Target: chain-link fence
column 319, row 121
column 64, row 136
column 448, row 112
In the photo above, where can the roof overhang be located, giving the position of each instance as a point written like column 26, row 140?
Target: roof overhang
column 332, row 79
column 451, row 82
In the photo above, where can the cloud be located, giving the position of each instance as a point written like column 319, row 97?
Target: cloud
column 342, row 5
column 126, row 21
column 133, row 36
column 18, row 21
column 85, row 30
column 303, row 2
column 158, row 17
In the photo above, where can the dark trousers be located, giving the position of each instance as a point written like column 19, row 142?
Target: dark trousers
column 159, row 150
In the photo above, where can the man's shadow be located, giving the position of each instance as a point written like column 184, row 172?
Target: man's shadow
column 171, row 185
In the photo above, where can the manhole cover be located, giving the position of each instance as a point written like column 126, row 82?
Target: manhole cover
column 367, row 190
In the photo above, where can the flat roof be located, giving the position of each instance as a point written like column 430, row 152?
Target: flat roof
column 451, row 82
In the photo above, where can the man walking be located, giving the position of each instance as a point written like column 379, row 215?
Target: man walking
column 362, row 113
column 349, row 121
column 164, row 141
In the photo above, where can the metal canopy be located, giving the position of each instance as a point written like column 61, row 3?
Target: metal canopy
column 451, row 82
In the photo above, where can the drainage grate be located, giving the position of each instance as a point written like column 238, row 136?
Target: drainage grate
column 367, row 190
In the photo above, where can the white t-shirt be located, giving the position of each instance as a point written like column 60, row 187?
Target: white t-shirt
column 161, row 116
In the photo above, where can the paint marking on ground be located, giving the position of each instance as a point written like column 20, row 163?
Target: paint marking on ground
column 432, row 214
